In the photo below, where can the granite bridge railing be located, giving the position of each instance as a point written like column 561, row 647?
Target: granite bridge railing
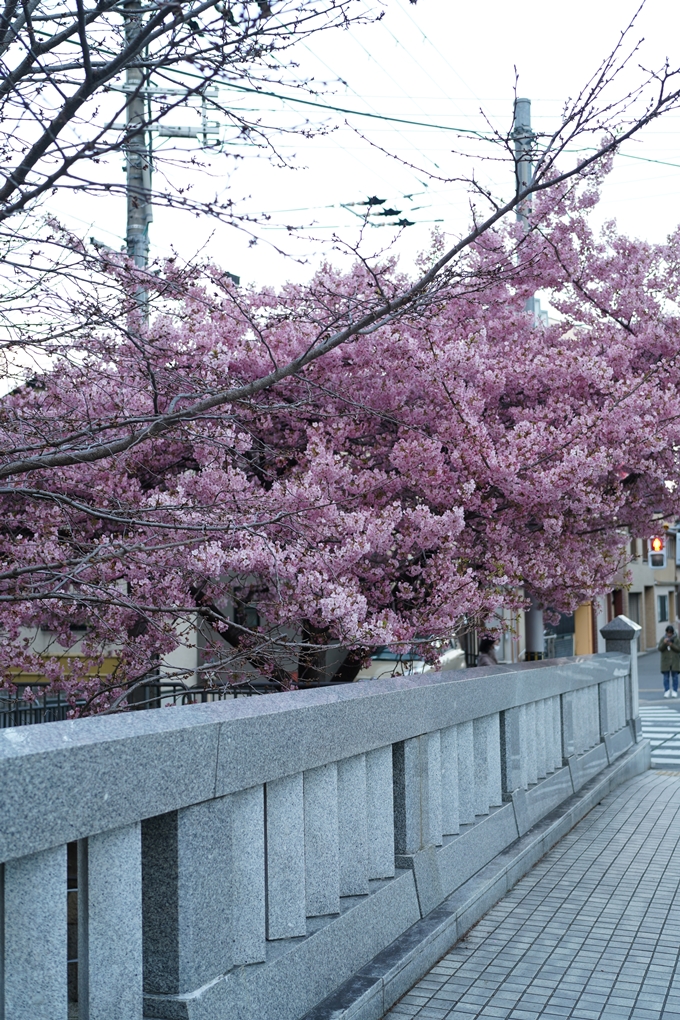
column 247, row 860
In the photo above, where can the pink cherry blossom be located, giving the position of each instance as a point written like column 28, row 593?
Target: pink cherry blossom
column 420, row 476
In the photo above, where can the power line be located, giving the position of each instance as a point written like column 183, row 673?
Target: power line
column 406, row 12
column 356, row 113
column 371, row 57
column 630, row 155
column 401, row 120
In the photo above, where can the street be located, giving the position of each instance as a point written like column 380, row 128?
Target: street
column 651, row 682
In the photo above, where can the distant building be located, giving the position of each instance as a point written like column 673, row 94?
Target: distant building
column 651, row 599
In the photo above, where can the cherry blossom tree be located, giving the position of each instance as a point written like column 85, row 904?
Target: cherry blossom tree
column 417, row 476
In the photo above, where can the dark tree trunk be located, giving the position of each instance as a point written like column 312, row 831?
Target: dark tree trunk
column 349, row 668
column 312, row 662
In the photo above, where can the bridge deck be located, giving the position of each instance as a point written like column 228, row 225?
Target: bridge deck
column 593, row 931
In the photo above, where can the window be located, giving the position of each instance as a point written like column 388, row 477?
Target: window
column 247, row 616
column 663, row 608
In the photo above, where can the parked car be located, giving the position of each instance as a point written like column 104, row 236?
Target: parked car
column 387, row 663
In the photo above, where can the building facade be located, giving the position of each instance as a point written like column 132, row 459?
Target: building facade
column 649, row 597
column 651, row 600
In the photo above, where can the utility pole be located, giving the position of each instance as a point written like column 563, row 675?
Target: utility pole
column 523, row 137
column 138, row 155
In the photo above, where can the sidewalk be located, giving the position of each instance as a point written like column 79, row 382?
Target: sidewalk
column 593, row 931
column 650, row 681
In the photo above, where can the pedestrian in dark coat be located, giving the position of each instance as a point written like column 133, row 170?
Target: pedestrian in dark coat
column 669, row 646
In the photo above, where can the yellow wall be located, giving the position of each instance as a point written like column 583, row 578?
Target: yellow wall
column 650, row 617
column 108, row 666
column 583, row 630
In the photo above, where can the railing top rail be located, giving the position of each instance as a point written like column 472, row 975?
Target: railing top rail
column 66, row 780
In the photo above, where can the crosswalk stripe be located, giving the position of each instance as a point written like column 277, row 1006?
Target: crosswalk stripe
column 661, row 726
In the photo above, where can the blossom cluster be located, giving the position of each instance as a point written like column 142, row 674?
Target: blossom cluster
column 428, row 473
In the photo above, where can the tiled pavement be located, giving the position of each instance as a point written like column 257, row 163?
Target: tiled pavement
column 593, row 931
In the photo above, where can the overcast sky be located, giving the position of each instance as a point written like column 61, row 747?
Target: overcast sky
column 440, row 62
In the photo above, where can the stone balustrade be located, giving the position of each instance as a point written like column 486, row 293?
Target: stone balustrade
column 244, row 859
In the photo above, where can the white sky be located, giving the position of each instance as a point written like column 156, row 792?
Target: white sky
column 437, row 62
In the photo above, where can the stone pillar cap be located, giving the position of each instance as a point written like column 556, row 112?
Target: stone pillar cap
column 620, row 629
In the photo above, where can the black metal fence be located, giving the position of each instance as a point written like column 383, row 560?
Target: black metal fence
column 16, row 709
column 160, row 693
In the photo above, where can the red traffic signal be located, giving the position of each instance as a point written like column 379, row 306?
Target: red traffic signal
column 657, row 551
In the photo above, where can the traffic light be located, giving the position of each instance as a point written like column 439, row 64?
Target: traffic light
column 657, row 551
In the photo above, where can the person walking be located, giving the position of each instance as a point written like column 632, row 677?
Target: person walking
column 669, row 646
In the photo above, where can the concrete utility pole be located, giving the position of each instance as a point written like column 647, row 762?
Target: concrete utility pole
column 138, row 155
column 523, row 136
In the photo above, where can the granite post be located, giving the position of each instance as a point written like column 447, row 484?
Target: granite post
column 567, row 713
column 431, row 788
column 34, row 936
column 558, row 759
column 186, row 897
column 494, row 751
column 466, row 774
column 286, row 915
column 245, row 862
column 418, row 814
column 110, row 925
column 541, row 767
column 352, row 834
column 418, row 793
column 529, row 749
column 512, row 751
column 322, row 865
column 449, row 756
column 620, row 635
column 380, row 812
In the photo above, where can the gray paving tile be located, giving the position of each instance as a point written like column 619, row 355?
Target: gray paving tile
column 589, row 934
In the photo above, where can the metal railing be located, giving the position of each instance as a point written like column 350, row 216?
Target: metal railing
column 18, row 710
column 162, row 693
